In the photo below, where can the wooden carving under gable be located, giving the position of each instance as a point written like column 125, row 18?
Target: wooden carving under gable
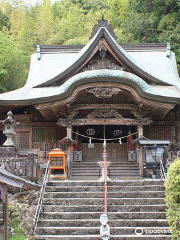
column 102, row 60
column 103, row 92
column 104, row 113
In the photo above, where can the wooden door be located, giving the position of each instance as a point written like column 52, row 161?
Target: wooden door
column 115, row 152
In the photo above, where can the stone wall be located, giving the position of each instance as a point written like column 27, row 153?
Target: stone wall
column 27, row 166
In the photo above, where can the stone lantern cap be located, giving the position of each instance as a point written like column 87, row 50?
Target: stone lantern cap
column 9, row 119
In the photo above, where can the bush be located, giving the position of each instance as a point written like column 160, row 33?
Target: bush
column 18, row 220
column 21, row 209
column 173, row 199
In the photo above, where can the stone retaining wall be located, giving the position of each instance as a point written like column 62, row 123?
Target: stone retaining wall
column 27, row 166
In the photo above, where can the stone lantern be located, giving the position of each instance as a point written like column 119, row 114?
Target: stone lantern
column 9, row 131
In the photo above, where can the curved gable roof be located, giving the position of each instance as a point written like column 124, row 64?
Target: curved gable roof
column 168, row 94
column 83, row 55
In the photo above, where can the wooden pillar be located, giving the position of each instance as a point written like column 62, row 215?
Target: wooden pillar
column 140, row 131
column 177, row 118
column 3, row 188
column 30, row 137
column 69, row 132
column 140, row 153
column 178, row 133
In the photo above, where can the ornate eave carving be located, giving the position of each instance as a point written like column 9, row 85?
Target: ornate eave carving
column 107, row 121
column 104, row 113
column 103, row 92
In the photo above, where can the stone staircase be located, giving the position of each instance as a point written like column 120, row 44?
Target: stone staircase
column 88, row 170
column 71, row 210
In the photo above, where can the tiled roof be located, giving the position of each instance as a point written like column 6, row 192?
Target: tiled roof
column 56, row 62
column 13, row 180
column 46, row 94
column 152, row 62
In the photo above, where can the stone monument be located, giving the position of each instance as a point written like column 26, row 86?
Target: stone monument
column 9, row 131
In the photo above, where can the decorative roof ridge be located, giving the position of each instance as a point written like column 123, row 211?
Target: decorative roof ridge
column 103, row 23
column 125, row 46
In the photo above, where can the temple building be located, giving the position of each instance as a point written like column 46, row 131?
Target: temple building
column 124, row 95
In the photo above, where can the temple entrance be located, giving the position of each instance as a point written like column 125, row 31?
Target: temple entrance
column 92, row 149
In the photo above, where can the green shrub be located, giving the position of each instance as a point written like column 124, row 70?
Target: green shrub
column 173, row 199
column 20, row 219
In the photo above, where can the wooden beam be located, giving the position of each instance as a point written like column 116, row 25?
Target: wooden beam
column 102, row 121
column 104, row 106
column 48, row 114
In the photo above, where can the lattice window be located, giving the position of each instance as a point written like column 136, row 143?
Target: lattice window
column 38, row 135
column 21, row 140
column 45, row 134
column 160, row 132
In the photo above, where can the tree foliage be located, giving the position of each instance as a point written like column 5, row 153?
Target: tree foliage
column 12, row 63
column 23, row 26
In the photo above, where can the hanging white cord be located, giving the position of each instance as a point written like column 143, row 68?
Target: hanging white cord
column 100, row 139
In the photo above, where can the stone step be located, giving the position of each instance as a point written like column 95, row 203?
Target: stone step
column 96, row 223
column 97, row 175
column 112, row 166
column 100, row 201
column 81, row 168
column 71, row 209
column 96, row 230
column 117, row 177
column 101, row 188
column 95, row 162
column 97, row 171
column 97, row 237
column 131, row 194
column 95, row 215
column 100, row 208
column 111, row 183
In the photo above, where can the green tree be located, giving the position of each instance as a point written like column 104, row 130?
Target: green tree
column 154, row 21
column 4, row 21
column 23, row 28
column 45, row 23
column 13, row 71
